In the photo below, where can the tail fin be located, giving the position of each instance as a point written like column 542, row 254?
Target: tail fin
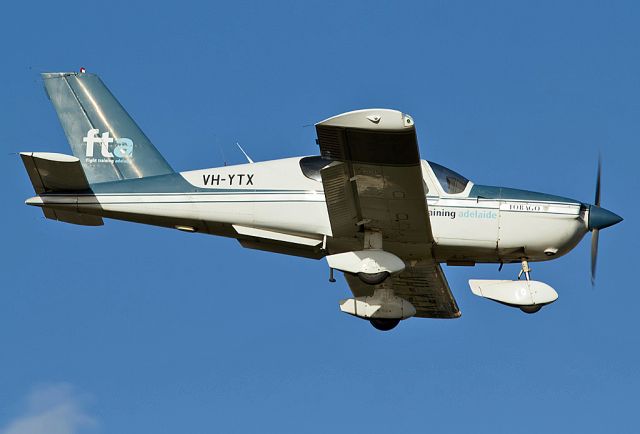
column 101, row 133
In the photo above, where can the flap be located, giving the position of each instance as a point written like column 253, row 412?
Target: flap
column 276, row 236
column 72, row 217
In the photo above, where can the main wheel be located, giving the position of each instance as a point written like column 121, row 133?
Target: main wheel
column 373, row 278
column 384, row 324
column 531, row 309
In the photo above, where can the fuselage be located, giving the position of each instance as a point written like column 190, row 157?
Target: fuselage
column 470, row 223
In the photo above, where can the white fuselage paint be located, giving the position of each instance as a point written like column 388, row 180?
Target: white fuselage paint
column 510, row 228
column 275, row 195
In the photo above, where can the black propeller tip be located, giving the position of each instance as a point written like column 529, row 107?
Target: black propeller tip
column 594, row 254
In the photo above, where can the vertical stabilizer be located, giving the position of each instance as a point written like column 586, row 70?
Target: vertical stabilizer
column 108, row 142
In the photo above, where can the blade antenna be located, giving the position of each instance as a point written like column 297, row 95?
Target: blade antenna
column 245, row 154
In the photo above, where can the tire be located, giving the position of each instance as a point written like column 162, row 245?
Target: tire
column 373, row 278
column 384, row 324
column 531, row 309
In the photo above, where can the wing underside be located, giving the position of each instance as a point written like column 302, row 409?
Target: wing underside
column 424, row 286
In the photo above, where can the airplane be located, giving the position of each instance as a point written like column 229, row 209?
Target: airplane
column 368, row 204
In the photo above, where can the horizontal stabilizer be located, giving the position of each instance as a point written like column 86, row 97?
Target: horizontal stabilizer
column 50, row 172
column 65, row 215
column 54, row 173
column 74, row 218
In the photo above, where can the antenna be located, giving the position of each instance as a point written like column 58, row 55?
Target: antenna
column 245, row 154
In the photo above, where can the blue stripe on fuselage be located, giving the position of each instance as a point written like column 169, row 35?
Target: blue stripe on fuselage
column 175, row 183
column 170, row 183
column 505, row 193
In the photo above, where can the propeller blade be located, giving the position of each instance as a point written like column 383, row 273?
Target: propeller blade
column 594, row 254
column 597, row 200
column 595, row 233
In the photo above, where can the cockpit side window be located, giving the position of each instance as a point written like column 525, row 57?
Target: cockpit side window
column 451, row 182
column 311, row 166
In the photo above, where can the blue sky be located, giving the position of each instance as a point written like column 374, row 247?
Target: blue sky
column 131, row 329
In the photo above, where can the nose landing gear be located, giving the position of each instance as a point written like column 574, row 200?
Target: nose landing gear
column 531, row 309
column 527, row 295
column 526, row 270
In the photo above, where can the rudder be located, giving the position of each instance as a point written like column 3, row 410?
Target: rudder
column 108, row 142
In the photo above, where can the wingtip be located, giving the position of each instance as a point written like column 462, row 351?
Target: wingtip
column 34, row 201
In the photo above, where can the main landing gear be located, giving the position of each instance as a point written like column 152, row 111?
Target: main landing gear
column 383, row 324
column 373, row 278
column 383, row 309
column 373, row 266
column 373, row 241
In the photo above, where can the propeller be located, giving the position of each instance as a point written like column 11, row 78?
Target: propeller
column 595, row 233
column 599, row 218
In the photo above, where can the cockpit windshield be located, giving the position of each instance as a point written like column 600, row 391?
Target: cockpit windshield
column 451, row 182
column 311, row 166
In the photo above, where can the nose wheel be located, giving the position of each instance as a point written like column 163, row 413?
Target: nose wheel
column 531, row 309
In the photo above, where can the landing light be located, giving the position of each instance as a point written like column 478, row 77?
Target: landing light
column 185, row 228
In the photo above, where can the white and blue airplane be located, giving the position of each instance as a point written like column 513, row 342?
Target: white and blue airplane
column 367, row 204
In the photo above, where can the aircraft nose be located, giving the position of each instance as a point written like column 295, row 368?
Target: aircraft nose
column 600, row 218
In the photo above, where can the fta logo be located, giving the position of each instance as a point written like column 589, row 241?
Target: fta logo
column 123, row 148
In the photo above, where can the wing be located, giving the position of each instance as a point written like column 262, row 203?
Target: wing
column 424, row 286
column 375, row 182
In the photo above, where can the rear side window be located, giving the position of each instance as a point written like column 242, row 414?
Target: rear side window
column 451, row 182
column 311, row 166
